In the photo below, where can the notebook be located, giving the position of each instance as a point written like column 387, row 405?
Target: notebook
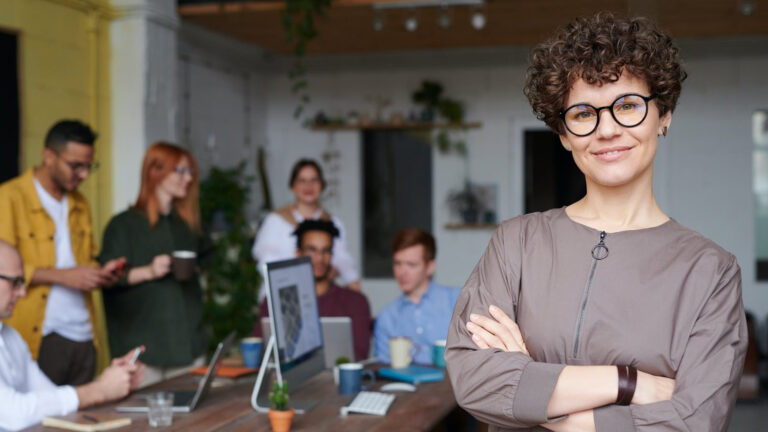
column 413, row 374
column 87, row 422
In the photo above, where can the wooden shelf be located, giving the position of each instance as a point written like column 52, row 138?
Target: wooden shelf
column 474, row 226
column 403, row 126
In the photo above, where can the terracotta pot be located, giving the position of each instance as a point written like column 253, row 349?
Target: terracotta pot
column 281, row 420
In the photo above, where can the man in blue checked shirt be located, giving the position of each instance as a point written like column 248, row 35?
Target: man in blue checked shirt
column 424, row 310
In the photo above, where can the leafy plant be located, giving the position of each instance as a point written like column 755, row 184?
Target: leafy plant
column 230, row 280
column 430, row 95
column 341, row 360
column 298, row 19
column 279, row 396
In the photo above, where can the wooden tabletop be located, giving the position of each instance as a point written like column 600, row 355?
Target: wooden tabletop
column 228, row 408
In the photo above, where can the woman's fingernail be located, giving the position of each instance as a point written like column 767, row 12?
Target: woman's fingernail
column 475, row 337
column 493, row 308
column 473, row 317
column 470, row 325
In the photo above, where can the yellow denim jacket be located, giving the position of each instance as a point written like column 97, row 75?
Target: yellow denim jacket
column 25, row 224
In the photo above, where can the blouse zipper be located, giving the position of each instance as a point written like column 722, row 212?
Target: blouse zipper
column 599, row 253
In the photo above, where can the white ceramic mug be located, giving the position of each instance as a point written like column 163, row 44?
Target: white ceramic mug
column 400, row 351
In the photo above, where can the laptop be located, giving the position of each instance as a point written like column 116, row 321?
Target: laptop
column 337, row 338
column 185, row 401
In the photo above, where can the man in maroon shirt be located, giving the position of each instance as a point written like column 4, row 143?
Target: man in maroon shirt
column 314, row 238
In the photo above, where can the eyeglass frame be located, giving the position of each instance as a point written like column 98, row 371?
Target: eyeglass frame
column 18, row 281
column 184, row 170
column 79, row 166
column 645, row 99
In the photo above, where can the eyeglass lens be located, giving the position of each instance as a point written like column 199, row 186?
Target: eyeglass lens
column 628, row 111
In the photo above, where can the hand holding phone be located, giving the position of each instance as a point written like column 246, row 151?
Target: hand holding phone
column 135, row 356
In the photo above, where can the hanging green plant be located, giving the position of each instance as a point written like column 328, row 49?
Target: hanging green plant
column 299, row 24
column 430, row 96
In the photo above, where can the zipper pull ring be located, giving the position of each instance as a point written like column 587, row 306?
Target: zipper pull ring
column 600, row 251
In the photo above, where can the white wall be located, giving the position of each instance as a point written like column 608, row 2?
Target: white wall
column 703, row 169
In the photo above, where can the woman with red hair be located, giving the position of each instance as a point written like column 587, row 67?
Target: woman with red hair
column 149, row 304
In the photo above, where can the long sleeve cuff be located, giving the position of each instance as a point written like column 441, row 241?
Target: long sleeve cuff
column 537, row 382
column 67, row 399
column 613, row 418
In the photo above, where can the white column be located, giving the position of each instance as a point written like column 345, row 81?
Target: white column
column 143, row 39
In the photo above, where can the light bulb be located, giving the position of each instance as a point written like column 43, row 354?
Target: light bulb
column 444, row 19
column 411, row 23
column 378, row 21
column 478, row 20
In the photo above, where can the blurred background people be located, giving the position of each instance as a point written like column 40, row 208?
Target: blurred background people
column 49, row 221
column 422, row 313
column 315, row 238
column 276, row 241
column 149, row 305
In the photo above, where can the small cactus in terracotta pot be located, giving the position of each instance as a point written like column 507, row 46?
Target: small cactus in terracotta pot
column 280, row 416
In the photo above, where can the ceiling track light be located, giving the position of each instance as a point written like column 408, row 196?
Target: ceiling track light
column 444, row 17
column 427, row 3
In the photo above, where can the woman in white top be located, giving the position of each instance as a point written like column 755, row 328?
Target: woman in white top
column 276, row 241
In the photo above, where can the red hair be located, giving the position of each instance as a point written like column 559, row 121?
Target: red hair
column 159, row 162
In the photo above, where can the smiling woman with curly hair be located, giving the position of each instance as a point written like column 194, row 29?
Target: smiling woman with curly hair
column 607, row 314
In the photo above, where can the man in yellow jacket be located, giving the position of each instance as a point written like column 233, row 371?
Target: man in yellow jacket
column 43, row 215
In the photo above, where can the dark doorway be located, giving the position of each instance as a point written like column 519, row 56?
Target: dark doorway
column 9, row 106
column 397, row 193
column 552, row 179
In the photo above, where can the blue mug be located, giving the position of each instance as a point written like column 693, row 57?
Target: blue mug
column 351, row 378
column 438, row 353
column 251, row 347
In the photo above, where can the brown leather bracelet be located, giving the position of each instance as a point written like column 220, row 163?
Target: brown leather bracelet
column 627, row 384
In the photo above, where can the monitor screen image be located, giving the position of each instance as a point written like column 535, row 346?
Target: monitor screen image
column 293, row 304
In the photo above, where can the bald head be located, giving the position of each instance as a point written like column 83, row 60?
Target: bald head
column 10, row 259
column 10, row 267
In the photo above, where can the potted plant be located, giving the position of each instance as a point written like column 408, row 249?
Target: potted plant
column 279, row 415
column 230, row 279
column 465, row 204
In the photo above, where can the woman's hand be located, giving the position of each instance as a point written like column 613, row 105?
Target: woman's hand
column 161, row 266
column 497, row 332
column 651, row 389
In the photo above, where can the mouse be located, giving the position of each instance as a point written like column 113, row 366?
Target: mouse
column 398, row 387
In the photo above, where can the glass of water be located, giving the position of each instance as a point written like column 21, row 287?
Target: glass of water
column 160, row 409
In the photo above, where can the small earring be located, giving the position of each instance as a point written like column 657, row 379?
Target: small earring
column 664, row 131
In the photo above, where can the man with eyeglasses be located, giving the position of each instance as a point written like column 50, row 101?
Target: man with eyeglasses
column 314, row 239
column 26, row 394
column 49, row 221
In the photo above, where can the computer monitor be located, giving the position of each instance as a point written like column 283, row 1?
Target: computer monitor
column 295, row 321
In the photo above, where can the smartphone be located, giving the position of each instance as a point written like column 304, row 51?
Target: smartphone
column 135, row 356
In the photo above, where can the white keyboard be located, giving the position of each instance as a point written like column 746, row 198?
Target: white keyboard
column 369, row 403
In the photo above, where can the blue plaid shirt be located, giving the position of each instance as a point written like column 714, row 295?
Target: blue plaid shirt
column 424, row 323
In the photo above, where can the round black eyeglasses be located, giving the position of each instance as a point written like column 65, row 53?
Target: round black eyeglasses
column 628, row 110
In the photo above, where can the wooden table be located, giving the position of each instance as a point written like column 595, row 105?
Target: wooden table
column 228, row 408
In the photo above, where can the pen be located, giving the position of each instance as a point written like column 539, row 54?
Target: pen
column 135, row 355
column 90, row 418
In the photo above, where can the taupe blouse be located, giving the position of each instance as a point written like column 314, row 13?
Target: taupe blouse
column 664, row 299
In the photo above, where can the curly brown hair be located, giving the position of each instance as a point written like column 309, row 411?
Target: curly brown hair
column 598, row 49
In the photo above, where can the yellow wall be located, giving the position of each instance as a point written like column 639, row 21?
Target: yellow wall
column 63, row 72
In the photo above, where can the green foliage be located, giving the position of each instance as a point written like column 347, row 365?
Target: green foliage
column 452, row 110
column 431, row 96
column 230, row 279
column 279, row 396
column 341, row 360
column 428, row 95
column 298, row 20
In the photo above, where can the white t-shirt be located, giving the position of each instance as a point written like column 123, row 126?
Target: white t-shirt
column 65, row 311
column 26, row 394
column 275, row 241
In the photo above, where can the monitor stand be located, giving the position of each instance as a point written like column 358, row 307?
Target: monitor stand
column 259, row 399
